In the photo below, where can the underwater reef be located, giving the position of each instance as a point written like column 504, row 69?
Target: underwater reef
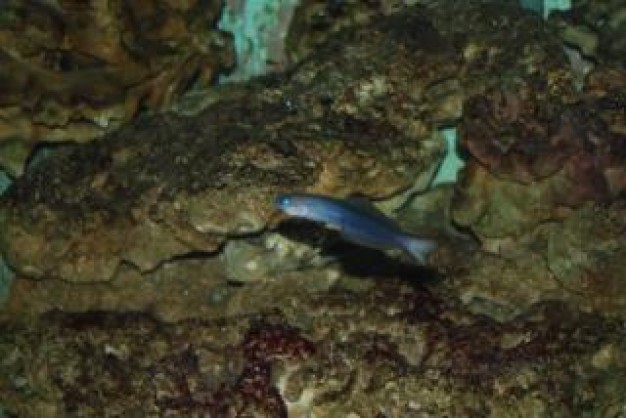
column 154, row 276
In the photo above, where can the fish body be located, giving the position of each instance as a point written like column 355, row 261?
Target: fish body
column 357, row 220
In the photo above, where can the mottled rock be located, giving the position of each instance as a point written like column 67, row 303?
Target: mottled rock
column 543, row 193
column 71, row 72
column 585, row 254
column 395, row 347
column 268, row 257
column 314, row 22
column 597, row 29
column 506, row 283
column 145, row 202
column 177, row 290
column 169, row 185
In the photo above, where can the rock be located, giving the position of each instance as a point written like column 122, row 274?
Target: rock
column 543, row 194
column 169, row 185
column 395, row 346
column 71, row 73
column 177, row 290
column 268, row 257
column 596, row 29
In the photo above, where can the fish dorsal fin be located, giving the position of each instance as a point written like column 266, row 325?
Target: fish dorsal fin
column 366, row 205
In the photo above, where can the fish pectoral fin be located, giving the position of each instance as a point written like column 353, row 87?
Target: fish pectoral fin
column 333, row 227
column 418, row 248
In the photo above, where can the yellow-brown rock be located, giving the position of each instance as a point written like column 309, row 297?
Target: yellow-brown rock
column 73, row 71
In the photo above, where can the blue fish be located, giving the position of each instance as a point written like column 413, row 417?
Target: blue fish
column 357, row 220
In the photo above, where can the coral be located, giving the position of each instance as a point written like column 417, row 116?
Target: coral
column 259, row 29
column 545, row 7
column 452, row 163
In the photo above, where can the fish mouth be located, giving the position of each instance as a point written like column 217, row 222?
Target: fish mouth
column 282, row 202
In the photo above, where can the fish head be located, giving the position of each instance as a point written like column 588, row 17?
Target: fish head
column 292, row 205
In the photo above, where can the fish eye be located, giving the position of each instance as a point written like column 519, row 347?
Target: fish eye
column 283, row 201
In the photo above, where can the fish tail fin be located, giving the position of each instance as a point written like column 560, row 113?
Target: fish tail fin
column 417, row 248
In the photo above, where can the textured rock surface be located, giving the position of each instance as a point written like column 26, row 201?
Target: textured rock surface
column 598, row 29
column 169, row 185
column 70, row 72
column 544, row 194
column 395, row 348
